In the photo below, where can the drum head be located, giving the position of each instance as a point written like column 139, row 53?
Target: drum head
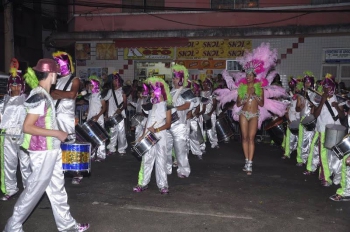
column 336, row 127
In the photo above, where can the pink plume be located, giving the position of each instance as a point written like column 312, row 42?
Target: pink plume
column 225, row 95
column 274, row 91
column 271, row 76
column 276, row 107
column 229, row 80
column 264, row 114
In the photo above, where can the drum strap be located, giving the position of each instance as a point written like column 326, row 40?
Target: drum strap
column 115, row 99
column 178, row 91
column 335, row 118
column 64, row 89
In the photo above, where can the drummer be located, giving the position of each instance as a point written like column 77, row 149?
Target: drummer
column 141, row 99
column 330, row 164
column 343, row 193
column 116, row 105
column 290, row 140
column 193, row 117
column 97, row 107
column 159, row 120
column 305, row 107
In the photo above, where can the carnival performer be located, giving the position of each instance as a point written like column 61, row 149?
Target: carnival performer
column 97, row 107
column 116, row 106
column 13, row 115
column 290, row 141
column 64, row 96
column 330, row 164
column 178, row 134
column 42, row 140
column 253, row 93
column 196, row 136
column 140, row 113
column 159, row 120
column 305, row 105
column 210, row 112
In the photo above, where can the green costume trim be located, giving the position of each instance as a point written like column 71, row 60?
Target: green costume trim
column 243, row 89
column 31, row 78
column 2, row 163
column 343, row 182
column 300, row 141
column 287, row 145
column 141, row 172
column 324, row 159
column 311, row 152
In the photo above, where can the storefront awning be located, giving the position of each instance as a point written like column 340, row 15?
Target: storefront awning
column 150, row 42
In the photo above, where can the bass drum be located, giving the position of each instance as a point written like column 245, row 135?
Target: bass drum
column 223, row 129
column 342, row 148
column 276, row 128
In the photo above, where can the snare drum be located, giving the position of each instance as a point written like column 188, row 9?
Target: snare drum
column 223, row 129
column 294, row 127
column 76, row 156
column 334, row 134
column 92, row 131
column 342, row 148
column 113, row 120
column 207, row 125
column 309, row 123
column 136, row 120
column 276, row 129
column 145, row 144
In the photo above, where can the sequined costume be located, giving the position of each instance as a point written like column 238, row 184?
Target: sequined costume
column 117, row 132
column 13, row 115
column 46, row 163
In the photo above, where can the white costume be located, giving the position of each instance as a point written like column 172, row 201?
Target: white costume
column 213, row 139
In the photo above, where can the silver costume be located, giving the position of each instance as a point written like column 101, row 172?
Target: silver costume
column 305, row 135
column 46, row 163
column 157, row 155
column 195, row 131
column 212, row 136
column 13, row 115
column 95, row 106
column 177, row 137
column 66, row 108
column 117, row 132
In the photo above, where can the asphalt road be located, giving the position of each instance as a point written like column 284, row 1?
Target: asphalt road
column 218, row 196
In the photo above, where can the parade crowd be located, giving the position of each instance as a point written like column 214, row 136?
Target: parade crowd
column 64, row 125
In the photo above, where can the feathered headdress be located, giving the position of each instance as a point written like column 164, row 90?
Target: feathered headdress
column 180, row 71
column 300, row 83
column 15, row 78
column 96, row 84
column 309, row 77
column 292, row 83
column 159, row 87
column 65, row 62
column 31, row 79
column 259, row 61
column 196, row 86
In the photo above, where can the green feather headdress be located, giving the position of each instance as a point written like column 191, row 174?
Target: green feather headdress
column 31, row 79
column 96, row 78
column 178, row 70
column 165, row 88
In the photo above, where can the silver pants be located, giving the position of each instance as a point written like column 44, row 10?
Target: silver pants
column 177, row 136
column 313, row 159
column 335, row 166
column 47, row 176
column 117, row 134
column 291, row 141
column 11, row 153
column 193, row 140
column 305, row 148
column 344, row 189
column 157, row 156
column 212, row 136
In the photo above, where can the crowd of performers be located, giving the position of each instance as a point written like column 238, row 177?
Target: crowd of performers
column 35, row 128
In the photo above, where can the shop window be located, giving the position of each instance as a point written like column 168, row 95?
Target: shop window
column 320, row 2
column 234, row 4
column 143, row 5
column 233, row 65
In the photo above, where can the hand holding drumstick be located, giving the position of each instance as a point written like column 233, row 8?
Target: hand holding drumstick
column 151, row 129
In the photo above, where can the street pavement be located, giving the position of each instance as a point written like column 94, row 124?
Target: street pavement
column 217, row 196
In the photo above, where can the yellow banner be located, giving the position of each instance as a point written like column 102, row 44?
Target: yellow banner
column 198, row 49
column 148, row 53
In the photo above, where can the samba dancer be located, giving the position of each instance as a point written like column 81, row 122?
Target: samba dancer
column 330, row 164
column 159, row 120
column 64, row 100
column 42, row 140
column 254, row 95
column 97, row 107
column 116, row 106
column 178, row 134
column 210, row 112
column 290, row 141
column 13, row 115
